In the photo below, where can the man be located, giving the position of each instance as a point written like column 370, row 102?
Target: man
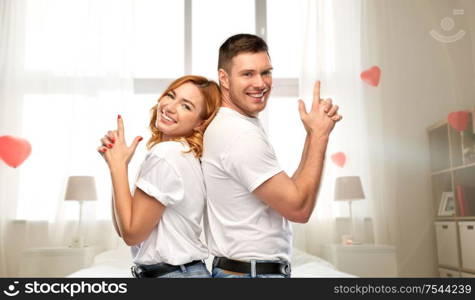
column 250, row 199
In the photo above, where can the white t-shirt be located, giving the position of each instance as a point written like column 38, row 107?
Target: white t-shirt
column 175, row 179
column 238, row 158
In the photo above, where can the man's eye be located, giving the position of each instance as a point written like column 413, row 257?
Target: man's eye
column 248, row 74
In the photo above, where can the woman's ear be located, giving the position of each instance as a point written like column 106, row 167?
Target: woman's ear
column 200, row 126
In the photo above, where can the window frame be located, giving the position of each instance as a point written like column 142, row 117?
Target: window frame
column 283, row 87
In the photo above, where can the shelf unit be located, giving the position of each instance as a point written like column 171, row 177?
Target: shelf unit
column 452, row 158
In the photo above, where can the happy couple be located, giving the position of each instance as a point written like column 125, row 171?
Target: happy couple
column 210, row 159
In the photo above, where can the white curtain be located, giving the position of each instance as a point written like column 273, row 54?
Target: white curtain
column 65, row 74
column 383, row 132
column 332, row 54
column 11, row 24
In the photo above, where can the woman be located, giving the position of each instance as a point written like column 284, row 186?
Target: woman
column 161, row 220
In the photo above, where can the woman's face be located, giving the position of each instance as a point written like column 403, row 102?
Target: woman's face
column 179, row 111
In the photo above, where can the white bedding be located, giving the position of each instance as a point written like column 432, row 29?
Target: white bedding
column 116, row 263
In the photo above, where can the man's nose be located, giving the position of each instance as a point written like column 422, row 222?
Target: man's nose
column 259, row 82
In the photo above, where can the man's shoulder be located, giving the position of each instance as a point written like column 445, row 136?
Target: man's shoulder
column 228, row 124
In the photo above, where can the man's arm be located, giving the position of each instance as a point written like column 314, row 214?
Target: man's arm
column 294, row 198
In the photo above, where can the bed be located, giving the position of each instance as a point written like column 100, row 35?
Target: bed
column 116, row 263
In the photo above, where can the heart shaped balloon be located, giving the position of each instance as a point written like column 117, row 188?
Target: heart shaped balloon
column 458, row 120
column 339, row 159
column 14, row 151
column 371, row 76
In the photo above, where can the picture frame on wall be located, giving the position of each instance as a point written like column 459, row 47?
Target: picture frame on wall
column 447, row 204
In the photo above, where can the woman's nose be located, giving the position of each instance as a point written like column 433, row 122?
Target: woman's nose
column 171, row 107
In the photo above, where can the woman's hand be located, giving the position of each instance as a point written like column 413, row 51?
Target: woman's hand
column 114, row 148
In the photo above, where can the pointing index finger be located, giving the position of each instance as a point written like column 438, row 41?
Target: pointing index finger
column 316, row 96
column 120, row 126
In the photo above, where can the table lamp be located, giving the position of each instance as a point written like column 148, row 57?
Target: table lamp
column 349, row 189
column 80, row 188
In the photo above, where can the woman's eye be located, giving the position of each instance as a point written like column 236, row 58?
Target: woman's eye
column 170, row 95
column 186, row 106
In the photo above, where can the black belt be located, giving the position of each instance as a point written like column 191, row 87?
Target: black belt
column 157, row 270
column 245, row 267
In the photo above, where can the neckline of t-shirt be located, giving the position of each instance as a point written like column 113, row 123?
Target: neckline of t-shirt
column 236, row 113
column 182, row 142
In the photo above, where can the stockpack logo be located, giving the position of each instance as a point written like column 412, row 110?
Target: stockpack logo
column 11, row 290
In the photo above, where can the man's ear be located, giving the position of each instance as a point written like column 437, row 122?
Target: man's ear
column 223, row 78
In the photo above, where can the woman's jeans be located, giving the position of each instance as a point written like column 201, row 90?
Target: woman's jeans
column 195, row 271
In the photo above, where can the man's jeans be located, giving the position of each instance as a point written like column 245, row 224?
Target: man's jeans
column 220, row 273
column 194, row 271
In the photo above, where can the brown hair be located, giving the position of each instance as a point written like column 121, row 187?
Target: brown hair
column 212, row 101
column 239, row 43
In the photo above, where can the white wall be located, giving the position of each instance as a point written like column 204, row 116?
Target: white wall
column 422, row 81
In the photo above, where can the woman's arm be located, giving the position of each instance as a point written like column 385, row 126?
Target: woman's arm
column 114, row 221
column 137, row 215
column 134, row 216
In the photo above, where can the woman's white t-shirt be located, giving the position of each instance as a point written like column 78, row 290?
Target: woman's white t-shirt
column 174, row 178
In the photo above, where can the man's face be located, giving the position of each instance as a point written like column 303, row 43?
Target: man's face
column 250, row 82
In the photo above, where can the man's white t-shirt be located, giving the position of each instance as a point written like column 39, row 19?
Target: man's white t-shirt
column 175, row 179
column 238, row 158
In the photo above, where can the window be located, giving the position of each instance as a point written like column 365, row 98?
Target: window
column 213, row 22
column 159, row 38
column 87, row 61
column 284, row 36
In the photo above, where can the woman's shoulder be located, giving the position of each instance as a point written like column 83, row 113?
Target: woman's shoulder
column 170, row 150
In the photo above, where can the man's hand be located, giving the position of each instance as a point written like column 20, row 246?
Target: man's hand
column 114, row 148
column 322, row 117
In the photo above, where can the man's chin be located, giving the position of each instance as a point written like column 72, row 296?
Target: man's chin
column 256, row 108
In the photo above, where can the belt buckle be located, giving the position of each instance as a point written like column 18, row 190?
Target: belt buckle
column 285, row 269
column 136, row 271
column 215, row 261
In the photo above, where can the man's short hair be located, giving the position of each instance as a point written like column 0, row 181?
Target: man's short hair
column 237, row 44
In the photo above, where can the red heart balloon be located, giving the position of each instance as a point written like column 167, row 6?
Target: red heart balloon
column 14, row 151
column 371, row 76
column 458, row 120
column 339, row 159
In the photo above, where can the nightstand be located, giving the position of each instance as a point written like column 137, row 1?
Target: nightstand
column 365, row 260
column 55, row 261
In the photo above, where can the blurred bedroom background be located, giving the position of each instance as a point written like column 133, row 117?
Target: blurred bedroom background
column 68, row 67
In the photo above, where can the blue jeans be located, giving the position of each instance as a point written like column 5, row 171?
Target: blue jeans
column 220, row 273
column 195, row 271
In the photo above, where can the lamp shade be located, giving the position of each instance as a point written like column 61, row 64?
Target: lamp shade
column 81, row 188
column 348, row 188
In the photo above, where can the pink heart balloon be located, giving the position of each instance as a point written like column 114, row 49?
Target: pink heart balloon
column 14, row 151
column 458, row 120
column 339, row 159
column 371, row 76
